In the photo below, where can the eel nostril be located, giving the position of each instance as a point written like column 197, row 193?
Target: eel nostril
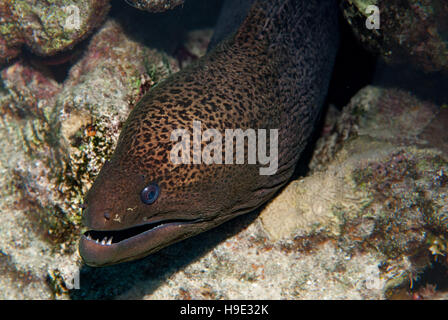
column 107, row 215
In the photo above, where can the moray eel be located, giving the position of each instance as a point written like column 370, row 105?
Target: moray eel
column 272, row 72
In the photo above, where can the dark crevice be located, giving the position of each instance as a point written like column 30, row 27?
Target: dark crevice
column 165, row 31
column 56, row 67
column 354, row 67
column 433, row 279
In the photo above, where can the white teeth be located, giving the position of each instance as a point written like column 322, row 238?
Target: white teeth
column 103, row 242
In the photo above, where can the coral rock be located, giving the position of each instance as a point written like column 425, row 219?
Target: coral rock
column 47, row 27
column 55, row 137
column 409, row 31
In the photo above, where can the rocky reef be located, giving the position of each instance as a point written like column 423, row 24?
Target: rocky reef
column 378, row 187
column 47, row 27
column 368, row 221
column 408, row 31
column 50, row 28
column 56, row 136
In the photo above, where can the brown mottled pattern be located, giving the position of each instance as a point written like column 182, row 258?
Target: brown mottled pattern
column 272, row 74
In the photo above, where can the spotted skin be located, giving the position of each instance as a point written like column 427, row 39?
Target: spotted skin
column 273, row 73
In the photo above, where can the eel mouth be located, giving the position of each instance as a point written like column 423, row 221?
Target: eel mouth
column 111, row 237
column 106, row 247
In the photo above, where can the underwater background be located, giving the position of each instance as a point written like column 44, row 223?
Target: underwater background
column 364, row 217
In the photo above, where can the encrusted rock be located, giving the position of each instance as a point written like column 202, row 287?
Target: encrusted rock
column 410, row 31
column 55, row 137
column 47, row 27
column 366, row 223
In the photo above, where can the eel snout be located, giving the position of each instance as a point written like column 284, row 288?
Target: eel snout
column 105, row 247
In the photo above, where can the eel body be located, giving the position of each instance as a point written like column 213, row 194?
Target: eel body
column 271, row 73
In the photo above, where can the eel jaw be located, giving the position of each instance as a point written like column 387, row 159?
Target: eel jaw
column 106, row 247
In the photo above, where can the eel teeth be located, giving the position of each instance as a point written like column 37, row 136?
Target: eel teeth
column 103, row 242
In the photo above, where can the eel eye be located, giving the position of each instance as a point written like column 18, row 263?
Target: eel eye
column 150, row 193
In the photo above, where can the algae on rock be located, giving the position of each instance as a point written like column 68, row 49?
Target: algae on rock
column 55, row 138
